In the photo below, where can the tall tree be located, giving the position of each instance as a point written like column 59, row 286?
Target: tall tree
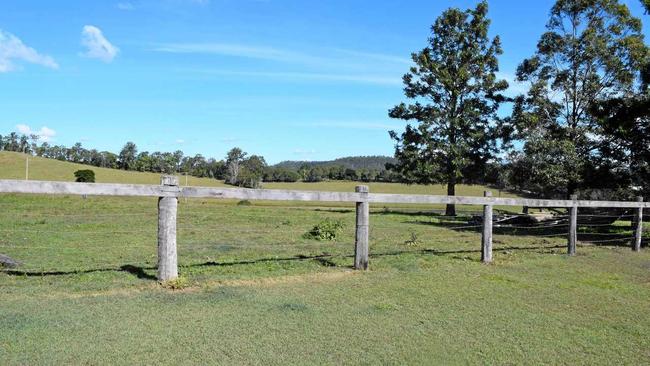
column 590, row 52
column 127, row 157
column 626, row 124
column 456, row 94
column 234, row 160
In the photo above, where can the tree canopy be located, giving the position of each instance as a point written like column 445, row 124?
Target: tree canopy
column 455, row 95
column 591, row 52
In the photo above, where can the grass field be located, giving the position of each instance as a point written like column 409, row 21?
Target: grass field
column 260, row 293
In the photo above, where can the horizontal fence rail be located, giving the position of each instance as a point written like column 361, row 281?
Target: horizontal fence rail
column 169, row 191
column 141, row 190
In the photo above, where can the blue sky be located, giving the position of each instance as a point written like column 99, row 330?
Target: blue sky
column 290, row 80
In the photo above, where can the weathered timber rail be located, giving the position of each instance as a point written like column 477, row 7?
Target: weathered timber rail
column 169, row 191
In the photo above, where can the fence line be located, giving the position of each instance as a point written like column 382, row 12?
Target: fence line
column 169, row 191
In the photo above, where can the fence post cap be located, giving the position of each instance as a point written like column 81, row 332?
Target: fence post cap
column 169, row 180
column 487, row 194
column 361, row 189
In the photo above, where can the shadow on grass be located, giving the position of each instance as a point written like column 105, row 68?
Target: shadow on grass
column 598, row 236
column 128, row 268
column 322, row 259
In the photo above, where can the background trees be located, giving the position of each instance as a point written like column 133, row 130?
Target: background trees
column 591, row 52
column 455, row 95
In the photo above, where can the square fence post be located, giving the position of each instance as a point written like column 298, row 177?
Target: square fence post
column 573, row 226
column 638, row 227
column 361, row 235
column 486, row 237
column 167, row 212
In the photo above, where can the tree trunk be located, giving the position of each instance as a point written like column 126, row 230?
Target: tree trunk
column 451, row 191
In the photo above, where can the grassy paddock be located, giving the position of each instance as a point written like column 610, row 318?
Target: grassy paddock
column 260, row 293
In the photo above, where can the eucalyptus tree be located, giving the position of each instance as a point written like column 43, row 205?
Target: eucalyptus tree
column 591, row 52
column 455, row 93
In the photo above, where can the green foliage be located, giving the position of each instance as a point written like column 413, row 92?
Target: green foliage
column 276, row 174
column 244, row 203
column 456, row 94
column 413, row 241
column 348, row 162
column 85, row 175
column 545, row 167
column 127, row 157
column 327, row 229
column 178, row 283
column 251, row 172
column 591, row 51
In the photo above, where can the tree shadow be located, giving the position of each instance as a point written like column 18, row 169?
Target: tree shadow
column 324, row 259
column 128, row 268
column 139, row 272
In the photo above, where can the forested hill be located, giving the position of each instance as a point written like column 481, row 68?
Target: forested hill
column 350, row 162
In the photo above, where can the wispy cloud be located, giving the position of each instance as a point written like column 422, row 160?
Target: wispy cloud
column 309, row 76
column 97, row 46
column 376, row 56
column 237, row 50
column 44, row 133
column 324, row 58
column 127, row 6
column 356, row 125
column 13, row 49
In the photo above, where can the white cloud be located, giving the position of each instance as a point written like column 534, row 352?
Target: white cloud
column 334, row 59
column 237, row 50
column 125, row 6
column 302, row 76
column 180, row 141
column 354, row 125
column 44, row 133
column 97, row 46
column 12, row 49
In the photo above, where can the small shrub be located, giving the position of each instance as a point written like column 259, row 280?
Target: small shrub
column 327, row 229
column 176, row 284
column 244, row 203
column 85, row 176
column 413, row 241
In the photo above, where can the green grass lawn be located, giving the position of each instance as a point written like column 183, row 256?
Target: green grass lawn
column 259, row 292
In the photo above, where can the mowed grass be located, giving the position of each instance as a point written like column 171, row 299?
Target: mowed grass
column 260, row 293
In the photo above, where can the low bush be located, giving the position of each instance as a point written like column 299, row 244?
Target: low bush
column 85, row 176
column 327, row 229
column 244, row 203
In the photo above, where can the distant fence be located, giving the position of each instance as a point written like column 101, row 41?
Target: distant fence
column 169, row 191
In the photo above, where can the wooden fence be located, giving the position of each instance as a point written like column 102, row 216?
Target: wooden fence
column 169, row 191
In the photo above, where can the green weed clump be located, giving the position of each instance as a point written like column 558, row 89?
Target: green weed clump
column 413, row 241
column 176, row 284
column 244, row 203
column 327, row 229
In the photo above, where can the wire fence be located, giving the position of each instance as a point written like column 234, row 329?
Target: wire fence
column 70, row 234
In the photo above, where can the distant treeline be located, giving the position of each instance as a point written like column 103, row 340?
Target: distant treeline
column 237, row 168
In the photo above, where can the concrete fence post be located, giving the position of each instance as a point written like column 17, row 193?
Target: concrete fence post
column 361, row 236
column 486, row 237
column 573, row 227
column 167, row 211
column 638, row 227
